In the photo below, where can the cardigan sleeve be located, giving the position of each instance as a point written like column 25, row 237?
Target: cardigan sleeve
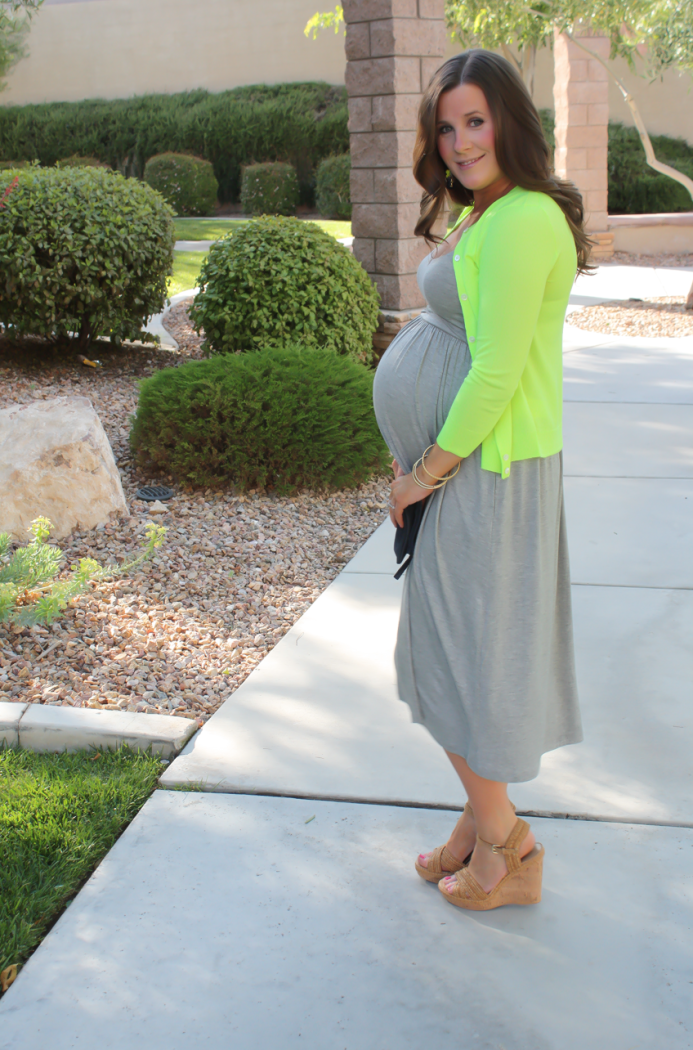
column 518, row 252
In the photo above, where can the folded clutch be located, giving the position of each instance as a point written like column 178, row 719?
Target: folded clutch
column 405, row 535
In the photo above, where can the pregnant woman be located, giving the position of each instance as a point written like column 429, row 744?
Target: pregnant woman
column 469, row 398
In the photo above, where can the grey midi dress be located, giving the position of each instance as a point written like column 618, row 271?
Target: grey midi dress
column 484, row 654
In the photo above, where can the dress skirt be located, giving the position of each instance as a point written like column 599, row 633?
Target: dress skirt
column 484, row 654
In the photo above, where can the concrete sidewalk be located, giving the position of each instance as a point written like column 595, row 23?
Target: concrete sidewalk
column 279, row 906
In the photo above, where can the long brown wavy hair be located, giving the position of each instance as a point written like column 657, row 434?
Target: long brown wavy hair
column 522, row 152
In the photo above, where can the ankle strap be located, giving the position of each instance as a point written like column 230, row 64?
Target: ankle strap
column 511, row 848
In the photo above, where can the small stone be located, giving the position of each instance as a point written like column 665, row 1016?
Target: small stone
column 157, row 507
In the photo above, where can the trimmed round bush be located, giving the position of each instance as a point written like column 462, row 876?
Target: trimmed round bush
column 283, row 419
column 82, row 250
column 269, row 189
column 332, row 187
column 187, row 183
column 80, row 162
column 283, row 281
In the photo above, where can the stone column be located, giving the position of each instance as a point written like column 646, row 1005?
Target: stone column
column 393, row 47
column 581, row 99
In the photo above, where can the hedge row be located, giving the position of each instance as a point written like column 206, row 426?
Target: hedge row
column 298, row 123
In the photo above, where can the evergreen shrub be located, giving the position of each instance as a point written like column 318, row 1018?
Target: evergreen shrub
column 298, row 123
column 634, row 187
column 82, row 250
column 269, row 189
column 332, row 187
column 75, row 161
column 279, row 282
column 281, row 418
column 186, row 183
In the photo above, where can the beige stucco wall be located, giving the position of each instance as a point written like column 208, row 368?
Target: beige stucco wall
column 117, row 48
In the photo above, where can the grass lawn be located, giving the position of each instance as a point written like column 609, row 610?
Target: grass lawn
column 186, row 265
column 59, row 816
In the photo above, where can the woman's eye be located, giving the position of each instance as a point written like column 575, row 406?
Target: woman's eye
column 476, row 122
column 445, row 129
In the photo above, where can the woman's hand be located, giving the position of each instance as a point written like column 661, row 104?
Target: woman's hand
column 403, row 492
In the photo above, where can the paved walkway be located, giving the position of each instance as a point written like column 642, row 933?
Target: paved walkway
column 279, row 906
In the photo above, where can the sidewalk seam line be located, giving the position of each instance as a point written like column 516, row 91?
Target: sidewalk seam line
column 434, row 806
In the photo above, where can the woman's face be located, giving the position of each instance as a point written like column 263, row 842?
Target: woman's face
column 466, row 137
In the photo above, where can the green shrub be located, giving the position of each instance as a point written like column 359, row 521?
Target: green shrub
column 76, row 161
column 186, row 183
column 634, row 187
column 8, row 165
column 30, row 591
column 283, row 419
column 269, row 189
column 298, row 123
column 82, row 250
column 283, row 281
column 332, row 187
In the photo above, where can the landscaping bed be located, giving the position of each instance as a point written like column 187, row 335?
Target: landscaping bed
column 660, row 316
column 233, row 576
column 59, row 816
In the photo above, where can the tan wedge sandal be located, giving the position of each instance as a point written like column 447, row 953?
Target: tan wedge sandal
column 522, row 884
column 442, row 862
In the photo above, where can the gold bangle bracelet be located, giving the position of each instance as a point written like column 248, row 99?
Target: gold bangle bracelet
column 422, row 484
column 448, row 476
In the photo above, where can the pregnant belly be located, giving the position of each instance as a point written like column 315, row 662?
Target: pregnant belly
column 415, row 384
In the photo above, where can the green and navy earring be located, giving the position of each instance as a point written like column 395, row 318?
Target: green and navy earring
column 449, row 181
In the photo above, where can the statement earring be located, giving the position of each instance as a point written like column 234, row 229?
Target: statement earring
column 449, row 181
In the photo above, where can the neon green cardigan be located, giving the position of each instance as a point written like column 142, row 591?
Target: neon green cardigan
column 515, row 268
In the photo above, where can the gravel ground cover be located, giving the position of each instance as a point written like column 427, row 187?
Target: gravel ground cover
column 662, row 316
column 233, row 576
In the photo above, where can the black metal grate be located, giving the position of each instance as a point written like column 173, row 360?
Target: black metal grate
column 152, row 492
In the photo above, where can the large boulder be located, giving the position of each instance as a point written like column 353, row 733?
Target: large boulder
column 56, row 462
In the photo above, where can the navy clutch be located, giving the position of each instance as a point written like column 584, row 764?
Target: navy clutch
column 405, row 536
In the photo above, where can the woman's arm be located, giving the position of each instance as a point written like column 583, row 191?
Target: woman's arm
column 517, row 255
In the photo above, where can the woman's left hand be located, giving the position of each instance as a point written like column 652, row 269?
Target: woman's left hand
column 403, row 492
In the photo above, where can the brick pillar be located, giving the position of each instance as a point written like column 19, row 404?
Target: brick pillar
column 393, row 47
column 581, row 99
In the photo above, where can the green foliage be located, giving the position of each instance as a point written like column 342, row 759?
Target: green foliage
column 297, row 123
column 269, row 189
column 325, row 20
column 29, row 590
column 186, row 183
column 332, row 187
column 82, row 250
column 8, row 165
column 548, row 124
column 59, row 816
column 15, row 16
column 282, row 281
column 634, row 187
column 282, row 419
column 75, row 161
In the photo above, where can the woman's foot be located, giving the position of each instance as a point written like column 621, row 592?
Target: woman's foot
column 487, row 867
column 461, row 842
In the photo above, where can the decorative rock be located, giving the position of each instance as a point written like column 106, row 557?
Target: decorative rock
column 56, row 462
column 157, row 507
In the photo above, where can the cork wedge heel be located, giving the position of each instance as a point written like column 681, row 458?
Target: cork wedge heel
column 442, row 862
column 521, row 885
